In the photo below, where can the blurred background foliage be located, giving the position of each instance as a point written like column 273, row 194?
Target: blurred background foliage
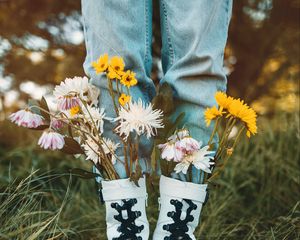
column 41, row 43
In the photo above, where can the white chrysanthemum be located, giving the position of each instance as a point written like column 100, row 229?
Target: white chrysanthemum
column 139, row 119
column 95, row 114
column 201, row 159
column 91, row 150
column 110, row 147
column 76, row 86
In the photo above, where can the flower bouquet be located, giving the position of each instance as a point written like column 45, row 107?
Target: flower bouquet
column 77, row 126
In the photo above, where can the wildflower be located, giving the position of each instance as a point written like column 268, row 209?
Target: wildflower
column 57, row 124
column 26, row 118
column 223, row 100
column 247, row 115
column 170, row 152
column 69, row 92
column 91, row 150
column 211, row 114
column 116, row 68
column 94, row 115
column 200, row 159
column 110, row 147
column 124, row 99
column 128, row 79
column 139, row 118
column 74, row 111
column 188, row 144
column 101, row 64
column 51, row 140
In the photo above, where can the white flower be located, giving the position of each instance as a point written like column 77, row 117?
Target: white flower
column 91, row 150
column 180, row 134
column 188, row 144
column 200, row 159
column 170, row 152
column 110, row 147
column 26, row 118
column 140, row 119
column 94, row 114
column 51, row 140
column 76, row 86
column 71, row 90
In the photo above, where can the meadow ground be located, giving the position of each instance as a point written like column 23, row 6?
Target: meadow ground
column 256, row 197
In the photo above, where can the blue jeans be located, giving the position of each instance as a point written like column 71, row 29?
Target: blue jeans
column 194, row 34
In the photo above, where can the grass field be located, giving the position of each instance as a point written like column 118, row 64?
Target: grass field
column 257, row 197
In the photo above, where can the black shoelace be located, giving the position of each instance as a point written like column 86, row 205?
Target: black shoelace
column 128, row 229
column 179, row 228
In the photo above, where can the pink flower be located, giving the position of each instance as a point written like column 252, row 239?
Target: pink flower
column 67, row 102
column 51, row 140
column 171, row 152
column 26, row 118
column 188, row 144
column 57, row 124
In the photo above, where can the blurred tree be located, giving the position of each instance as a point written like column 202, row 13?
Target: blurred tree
column 35, row 43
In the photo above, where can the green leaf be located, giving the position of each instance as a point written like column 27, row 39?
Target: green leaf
column 71, row 146
column 44, row 105
column 83, row 173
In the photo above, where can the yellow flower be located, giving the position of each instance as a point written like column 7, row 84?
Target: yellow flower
column 74, row 110
column 123, row 99
column 116, row 68
column 101, row 64
column 211, row 113
column 223, row 100
column 229, row 151
column 242, row 111
column 128, row 79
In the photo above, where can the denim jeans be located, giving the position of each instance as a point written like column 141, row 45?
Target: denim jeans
column 194, row 34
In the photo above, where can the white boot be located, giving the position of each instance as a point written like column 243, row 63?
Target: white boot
column 126, row 209
column 180, row 208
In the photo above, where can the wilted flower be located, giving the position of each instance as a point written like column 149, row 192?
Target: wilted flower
column 26, row 118
column 51, row 140
column 139, row 118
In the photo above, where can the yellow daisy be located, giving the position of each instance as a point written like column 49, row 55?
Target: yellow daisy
column 223, row 100
column 128, row 79
column 74, row 110
column 101, row 64
column 116, row 68
column 123, row 99
column 211, row 113
column 242, row 111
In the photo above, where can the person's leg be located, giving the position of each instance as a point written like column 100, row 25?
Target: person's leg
column 194, row 35
column 122, row 28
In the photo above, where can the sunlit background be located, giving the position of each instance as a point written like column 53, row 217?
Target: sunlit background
column 42, row 43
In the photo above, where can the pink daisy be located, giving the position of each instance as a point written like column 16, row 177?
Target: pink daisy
column 26, row 118
column 67, row 102
column 51, row 140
